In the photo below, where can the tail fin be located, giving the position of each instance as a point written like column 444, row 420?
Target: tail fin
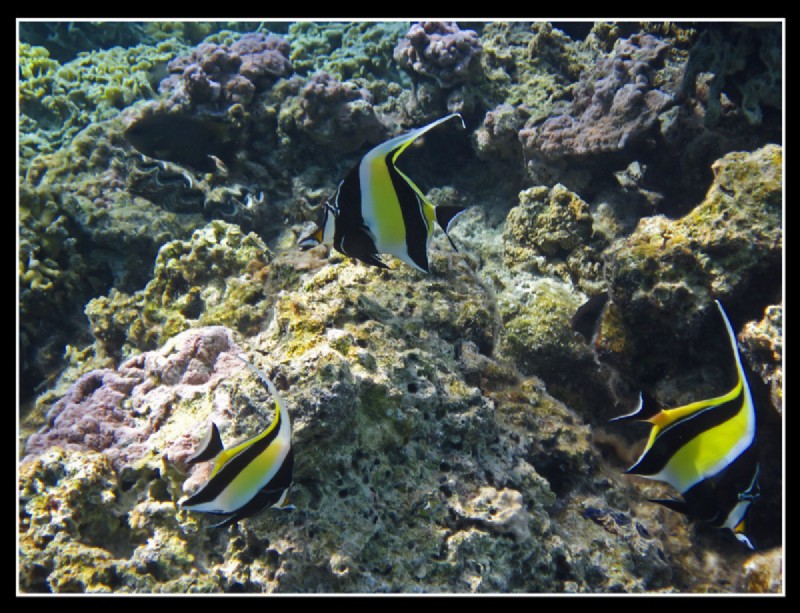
column 646, row 409
column 445, row 215
column 209, row 448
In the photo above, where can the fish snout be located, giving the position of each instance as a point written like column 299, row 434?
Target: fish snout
column 310, row 240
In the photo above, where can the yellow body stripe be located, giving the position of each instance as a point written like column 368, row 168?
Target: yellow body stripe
column 225, row 455
column 259, row 471
column 256, row 475
column 380, row 207
column 711, row 451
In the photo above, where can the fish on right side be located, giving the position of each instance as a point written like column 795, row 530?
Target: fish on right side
column 706, row 450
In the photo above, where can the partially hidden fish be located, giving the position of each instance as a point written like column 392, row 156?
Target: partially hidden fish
column 707, row 451
column 378, row 210
column 251, row 476
column 184, row 139
column 586, row 318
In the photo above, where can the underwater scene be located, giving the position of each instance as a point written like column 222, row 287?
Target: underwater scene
column 404, row 307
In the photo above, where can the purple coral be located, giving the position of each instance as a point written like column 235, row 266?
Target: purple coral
column 218, row 73
column 115, row 412
column 264, row 58
column 336, row 113
column 439, row 50
column 613, row 105
column 498, row 134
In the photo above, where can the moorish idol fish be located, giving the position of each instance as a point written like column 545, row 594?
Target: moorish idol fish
column 251, row 476
column 377, row 209
column 706, row 450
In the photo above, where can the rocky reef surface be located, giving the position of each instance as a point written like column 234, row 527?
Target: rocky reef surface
column 451, row 430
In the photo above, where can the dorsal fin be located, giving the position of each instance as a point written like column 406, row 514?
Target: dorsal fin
column 398, row 144
column 279, row 404
column 647, row 408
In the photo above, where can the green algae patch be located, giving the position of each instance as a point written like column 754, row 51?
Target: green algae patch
column 215, row 278
column 667, row 273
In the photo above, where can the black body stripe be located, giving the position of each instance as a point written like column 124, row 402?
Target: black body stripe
column 348, row 201
column 212, row 446
column 413, row 218
column 678, row 434
column 267, row 496
column 235, row 465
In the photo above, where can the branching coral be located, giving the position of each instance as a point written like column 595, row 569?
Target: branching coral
column 347, row 50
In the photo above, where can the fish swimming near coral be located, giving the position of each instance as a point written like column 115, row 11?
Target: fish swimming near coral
column 586, row 318
column 251, row 476
column 184, row 139
column 707, row 451
column 378, row 210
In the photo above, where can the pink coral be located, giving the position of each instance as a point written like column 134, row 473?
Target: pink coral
column 115, row 412
column 439, row 50
column 264, row 58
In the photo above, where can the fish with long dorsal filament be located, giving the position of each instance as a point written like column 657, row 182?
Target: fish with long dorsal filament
column 706, row 450
column 377, row 209
column 251, row 476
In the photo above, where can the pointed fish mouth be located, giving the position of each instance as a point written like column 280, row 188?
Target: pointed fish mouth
column 310, row 240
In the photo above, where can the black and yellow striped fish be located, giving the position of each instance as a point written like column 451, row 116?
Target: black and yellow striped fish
column 251, row 476
column 378, row 210
column 706, row 450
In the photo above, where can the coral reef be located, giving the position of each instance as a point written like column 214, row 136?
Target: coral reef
column 451, row 429
column 219, row 276
column 337, row 115
column 669, row 271
column 349, row 51
column 385, row 430
column 58, row 101
column 66, row 39
column 741, row 70
column 531, row 66
column 91, row 487
column 118, row 412
column 497, row 137
column 551, row 232
column 764, row 342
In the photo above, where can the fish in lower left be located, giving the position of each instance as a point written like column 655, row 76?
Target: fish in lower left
column 251, row 476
